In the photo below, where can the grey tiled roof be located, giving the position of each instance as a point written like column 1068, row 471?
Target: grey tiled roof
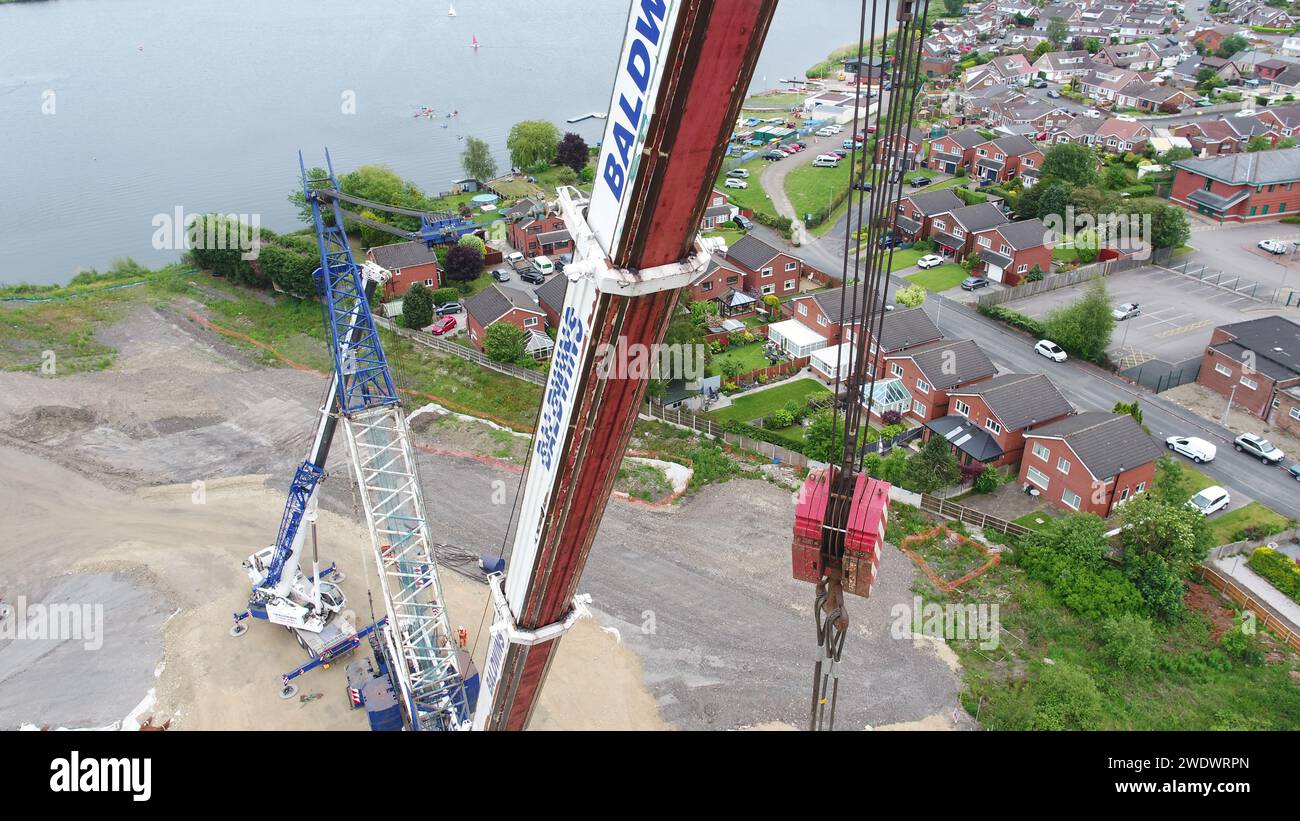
column 1025, row 234
column 752, row 252
column 403, row 254
column 551, row 294
column 1019, row 399
column 493, row 302
column 968, row 362
column 1257, row 168
column 1274, row 339
column 935, row 202
column 980, row 216
column 1106, row 443
column 968, row 438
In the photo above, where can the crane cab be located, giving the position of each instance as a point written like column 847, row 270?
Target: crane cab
column 864, row 533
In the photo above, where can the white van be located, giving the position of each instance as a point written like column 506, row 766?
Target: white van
column 544, row 266
column 827, row 161
column 513, row 258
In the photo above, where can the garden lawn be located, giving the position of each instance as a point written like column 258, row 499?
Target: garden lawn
column 1224, row 528
column 939, row 279
column 811, row 189
column 749, row 357
column 761, row 403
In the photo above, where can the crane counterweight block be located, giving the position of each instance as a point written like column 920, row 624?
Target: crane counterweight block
column 816, row 551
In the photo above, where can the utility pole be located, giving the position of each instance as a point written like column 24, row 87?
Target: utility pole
column 1231, row 395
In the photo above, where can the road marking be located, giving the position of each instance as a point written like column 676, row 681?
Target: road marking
column 1185, row 328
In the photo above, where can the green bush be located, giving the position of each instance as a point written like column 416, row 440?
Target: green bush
column 442, row 296
column 1279, row 569
column 417, row 306
column 1014, row 318
column 987, row 481
column 1241, row 643
column 1129, row 641
column 1066, row 698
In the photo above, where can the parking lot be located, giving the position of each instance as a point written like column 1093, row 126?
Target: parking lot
column 1178, row 314
column 1233, row 250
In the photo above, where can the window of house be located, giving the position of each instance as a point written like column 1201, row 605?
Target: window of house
column 821, row 320
column 999, row 157
column 1123, row 494
column 918, row 408
column 1071, row 499
column 803, row 309
column 1294, row 413
column 922, row 386
column 1040, row 450
column 732, row 280
column 961, row 407
column 1142, row 486
column 983, row 153
column 790, row 266
column 428, row 283
column 1063, row 465
column 1248, row 383
column 768, row 289
column 1022, row 268
column 767, row 272
column 985, row 242
column 789, row 285
column 1264, row 211
column 1004, row 249
column 993, row 426
column 1037, row 477
column 1222, row 369
column 706, row 287
column 530, row 322
column 939, row 224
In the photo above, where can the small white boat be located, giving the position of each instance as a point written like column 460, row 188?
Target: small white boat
column 451, row 11
column 474, row 42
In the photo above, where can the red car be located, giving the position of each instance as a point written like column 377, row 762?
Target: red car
column 443, row 325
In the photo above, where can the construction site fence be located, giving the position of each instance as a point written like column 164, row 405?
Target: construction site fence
column 1266, row 614
column 1065, row 279
column 961, row 513
column 690, row 420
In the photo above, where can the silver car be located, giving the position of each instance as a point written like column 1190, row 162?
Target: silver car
column 1126, row 311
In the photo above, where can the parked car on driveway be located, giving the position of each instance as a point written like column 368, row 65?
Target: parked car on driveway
column 920, row 182
column 1050, row 349
column 743, row 222
column 929, row 261
column 450, row 308
column 443, row 325
column 740, row 173
column 1054, row 94
column 1259, row 447
column 1198, row 450
column 532, row 277
column 1126, row 311
column 1273, row 246
column 974, row 283
column 732, row 182
column 501, row 275
column 1210, row 500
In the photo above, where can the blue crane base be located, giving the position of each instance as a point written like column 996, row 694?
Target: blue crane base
column 337, row 649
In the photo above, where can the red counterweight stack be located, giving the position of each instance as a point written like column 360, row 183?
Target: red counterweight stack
column 864, row 533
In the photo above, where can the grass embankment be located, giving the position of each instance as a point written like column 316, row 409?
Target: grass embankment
column 1190, row 684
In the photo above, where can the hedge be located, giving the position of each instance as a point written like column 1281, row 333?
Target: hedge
column 1014, row 318
column 1279, row 569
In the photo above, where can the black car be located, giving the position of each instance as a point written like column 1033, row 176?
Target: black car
column 920, row 182
column 501, row 275
column 774, row 155
column 861, row 186
column 974, row 283
column 887, row 241
column 449, row 308
column 532, row 277
column 744, row 222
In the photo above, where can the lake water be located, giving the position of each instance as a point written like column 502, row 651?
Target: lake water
column 115, row 111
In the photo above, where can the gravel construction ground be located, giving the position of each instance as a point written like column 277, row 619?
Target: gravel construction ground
column 141, row 488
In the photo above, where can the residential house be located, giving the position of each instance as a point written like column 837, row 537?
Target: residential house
column 1010, row 251
column 926, row 373
column 1256, row 364
column 768, row 270
column 986, row 422
column 1245, row 187
column 1001, row 70
column 727, row 283
column 1115, row 136
column 1213, row 37
column 718, row 211
column 954, row 149
column 1165, row 100
column 498, row 303
column 1118, row 86
column 550, row 298
column 907, row 150
column 1285, row 119
column 1132, row 56
column 999, row 160
column 831, row 315
column 1223, row 67
column 407, row 262
column 542, row 235
column 953, row 231
column 913, row 212
column 1062, row 66
column 1090, row 462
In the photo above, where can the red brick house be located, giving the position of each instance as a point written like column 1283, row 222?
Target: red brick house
column 1115, row 136
column 718, row 211
column 987, row 421
column 728, row 284
column 408, row 262
column 1257, row 364
column 952, row 231
column 1089, row 462
column 999, row 160
column 912, row 144
column 1010, row 251
column 927, row 372
column 768, row 270
column 497, row 304
column 829, row 313
column 913, row 212
column 1248, row 187
column 954, row 150
column 550, row 298
column 544, row 235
